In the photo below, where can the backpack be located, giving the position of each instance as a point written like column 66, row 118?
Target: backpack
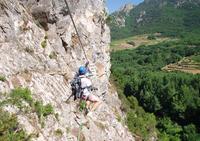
column 76, row 87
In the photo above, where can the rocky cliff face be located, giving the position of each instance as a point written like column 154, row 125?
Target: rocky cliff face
column 126, row 8
column 39, row 49
column 119, row 17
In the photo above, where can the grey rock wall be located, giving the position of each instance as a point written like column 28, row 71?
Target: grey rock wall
column 39, row 49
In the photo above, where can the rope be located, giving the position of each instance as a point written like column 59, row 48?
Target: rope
column 79, row 132
column 70, row 14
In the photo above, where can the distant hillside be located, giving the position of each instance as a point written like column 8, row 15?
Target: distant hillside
column 119, row 17
column 169, row 17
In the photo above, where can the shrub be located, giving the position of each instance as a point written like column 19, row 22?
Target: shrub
column 196, row 58
column 56, row 116
column 2, row 78
column 48, row 109
column 42, row 110
column 19, row 94
column 173, row 130
column 29, row 50
column 45, row 37
column 53, row 55
column 109, row 19
column 131, row 43
column 82, row 106
column 190, row 133
column 58, row 132
column 151, row 37
column 9, row 129
column 140, row 122
column 44, row 44
column 68, row 130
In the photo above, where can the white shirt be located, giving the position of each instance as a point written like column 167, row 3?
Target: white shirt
column 85, row 82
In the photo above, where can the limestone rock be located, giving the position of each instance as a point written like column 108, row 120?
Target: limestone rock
column 39, row 49
column 119, row 17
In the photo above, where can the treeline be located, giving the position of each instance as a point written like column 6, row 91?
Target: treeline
column 173, row 97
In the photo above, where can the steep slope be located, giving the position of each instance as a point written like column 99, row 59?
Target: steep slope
column 166, row 95
column 39, row 50
column 119, row 17
column 164, row 16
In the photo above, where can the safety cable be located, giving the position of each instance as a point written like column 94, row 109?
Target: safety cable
column 70, row 14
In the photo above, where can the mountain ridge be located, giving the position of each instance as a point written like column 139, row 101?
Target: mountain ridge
column 168, row 17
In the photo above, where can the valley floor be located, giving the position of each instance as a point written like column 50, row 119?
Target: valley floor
column 136, row 41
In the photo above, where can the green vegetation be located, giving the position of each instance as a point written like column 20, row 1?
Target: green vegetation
column 189, row 64
column 196, row 58
column 68, row 130
column 42, row 111
column 151, row 37
column 131, row 43
column 9, row 128
column 170, row 101
column 108, row 20
column 29, row 50
column 156, row 16
column 136, row 41
column 45, row 37
column 58, row 132
column 2, row 78
column 82, row 105
column 53, row 55
column 44, row 43
column 56, row 116
column 139, row 122
column 20, row 96
column 172, row 97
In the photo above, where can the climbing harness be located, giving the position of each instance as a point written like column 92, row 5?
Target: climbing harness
column 70, row 14
column 92, row 70
column 77, row 90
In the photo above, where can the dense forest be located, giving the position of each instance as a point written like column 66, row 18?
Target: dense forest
column 156, row 101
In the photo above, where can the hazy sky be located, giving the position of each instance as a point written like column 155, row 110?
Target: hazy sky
column 116, row 4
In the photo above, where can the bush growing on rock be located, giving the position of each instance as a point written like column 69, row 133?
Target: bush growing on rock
column 2, row 78
column 58, row 132
column 44, row 44
column 9, row 128
column 19, row 94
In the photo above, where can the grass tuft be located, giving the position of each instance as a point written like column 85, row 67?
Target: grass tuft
column 44, row 44
column 2, row 78
column 58, row 132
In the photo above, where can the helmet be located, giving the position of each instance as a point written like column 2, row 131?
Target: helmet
column 82, row 70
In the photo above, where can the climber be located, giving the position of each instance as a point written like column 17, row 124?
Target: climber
column 86, row 86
